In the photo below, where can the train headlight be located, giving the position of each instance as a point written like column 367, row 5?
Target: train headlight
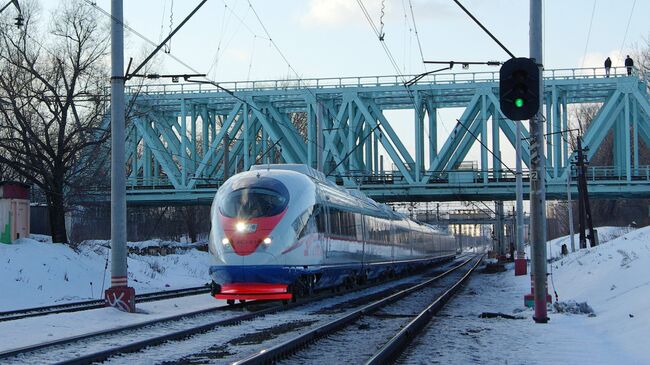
column 267, row 241
column 225, row 241
column 241, row 226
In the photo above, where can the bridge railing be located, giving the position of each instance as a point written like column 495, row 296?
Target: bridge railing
column 163, row 182
column 395, row 177
column 585, row 73
column 365, row 81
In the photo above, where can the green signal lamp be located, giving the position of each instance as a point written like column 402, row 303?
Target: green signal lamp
column 519, row 102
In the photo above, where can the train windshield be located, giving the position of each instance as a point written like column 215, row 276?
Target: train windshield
column 254, row 202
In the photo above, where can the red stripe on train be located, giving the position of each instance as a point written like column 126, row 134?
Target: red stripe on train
column 253, row 291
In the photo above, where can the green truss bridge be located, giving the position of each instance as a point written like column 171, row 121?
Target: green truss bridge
column 184, row 139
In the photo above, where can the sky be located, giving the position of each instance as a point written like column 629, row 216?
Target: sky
column 332, row 38
column 239, row 40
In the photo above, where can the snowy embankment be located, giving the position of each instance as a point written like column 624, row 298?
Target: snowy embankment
column 39, row 273
column 613, row 279
column 605, row 234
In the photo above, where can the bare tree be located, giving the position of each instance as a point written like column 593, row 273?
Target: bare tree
column 52, row 100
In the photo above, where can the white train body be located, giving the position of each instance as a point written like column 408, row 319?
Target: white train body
column 283, row 229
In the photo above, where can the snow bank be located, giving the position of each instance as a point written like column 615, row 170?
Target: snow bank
column 605, row 234
column 602, row 318
column 35, row 273
column 614, row 279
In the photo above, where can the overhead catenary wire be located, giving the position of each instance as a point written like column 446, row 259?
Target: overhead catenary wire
column 390, row 56
column 415, row 29
column 168, row 46
column 627, row 27
column 484, row 28
column 381, row 20
column 484, row 146
column 225, row 24
column 591, row 21
column 274, row 45
column 162, row 21
column 406, row 84
column 378, row 35
column 207, row 80
column 343, row 159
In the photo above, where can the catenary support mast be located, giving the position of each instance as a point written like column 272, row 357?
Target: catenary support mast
column 119, row 295
column 520, row 259
column 538, row 173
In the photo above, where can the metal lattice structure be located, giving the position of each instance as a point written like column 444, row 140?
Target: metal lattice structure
column 185, row 139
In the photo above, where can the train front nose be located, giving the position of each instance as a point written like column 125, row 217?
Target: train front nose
column 249, row 213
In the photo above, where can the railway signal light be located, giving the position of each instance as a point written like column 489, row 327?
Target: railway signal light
column 519, row 88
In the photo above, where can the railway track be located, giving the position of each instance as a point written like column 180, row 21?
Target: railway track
column 93, row 304
column 218, row 335
column 385, row 326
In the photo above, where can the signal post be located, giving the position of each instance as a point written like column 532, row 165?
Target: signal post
column 520, row 87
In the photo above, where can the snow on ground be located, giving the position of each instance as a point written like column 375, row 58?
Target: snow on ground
column 612, row 278
column 35, row 272
column 605, row 234
column 30, row 331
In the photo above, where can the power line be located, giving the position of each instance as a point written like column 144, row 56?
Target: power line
column 207, row 80
column 273, row 42
column 415, row 28
column 484, row 28
column 627, row 27
column 383, row 44
column 140, row 35
column 484, row 146
column 593, row 11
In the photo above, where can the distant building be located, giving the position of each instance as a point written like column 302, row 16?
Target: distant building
column 14, row 211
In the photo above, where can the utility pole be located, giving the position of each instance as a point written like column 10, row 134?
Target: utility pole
column 584, row 214
column 501, row 250
column 520, row 259
column 538, row 174
column 570, row 208
column 119, row 295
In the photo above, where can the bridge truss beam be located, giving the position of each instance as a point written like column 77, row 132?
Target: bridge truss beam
column 183, row 141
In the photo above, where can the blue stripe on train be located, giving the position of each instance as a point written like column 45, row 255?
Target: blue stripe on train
column 329, row 275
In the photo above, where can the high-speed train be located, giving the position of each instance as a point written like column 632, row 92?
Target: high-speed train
column 285, row 230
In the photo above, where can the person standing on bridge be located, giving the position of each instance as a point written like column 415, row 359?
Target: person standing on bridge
column 629, row 64
column 608, row 66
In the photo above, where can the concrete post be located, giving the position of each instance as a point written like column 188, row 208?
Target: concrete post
column 119, row 295
column 538, row 174
column 569, row 207
column 520, row 259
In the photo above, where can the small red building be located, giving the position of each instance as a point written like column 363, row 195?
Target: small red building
column 14, row 211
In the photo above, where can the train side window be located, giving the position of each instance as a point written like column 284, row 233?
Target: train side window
column 335, row 222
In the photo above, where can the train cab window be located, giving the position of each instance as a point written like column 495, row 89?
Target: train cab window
column 254, row 202
column 320, row 217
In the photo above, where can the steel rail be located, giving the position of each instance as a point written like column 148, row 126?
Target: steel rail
column 174, row 336
column 281, row 350
column 179, row 335
column 134, row 347
column 67, row 340
column 396, row 345
column 99, row 303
